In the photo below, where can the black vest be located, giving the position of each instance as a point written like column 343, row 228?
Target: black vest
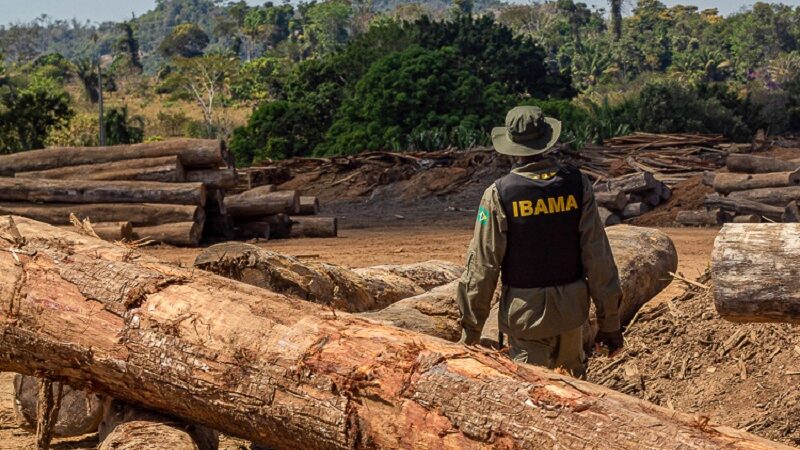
column 544, row 242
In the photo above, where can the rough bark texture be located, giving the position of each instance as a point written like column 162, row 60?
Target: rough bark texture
column 80, row 191
column 636, row 182
column 729, row 182
column 213, row 178
column 252, row 204
column 742, row 206
column 754, row 268
column 701, row 217
column 759, row 164
column 166, row 169
column 309, row 206
column 127, row 427
column 614, row 200
column 47, row 409
column 182, row 233
column 769, row 196
column 290, row 374
column 192, row 152
column 608, row 218
column 113, row 231
column 315, row 227
column 80, row 412
column 138, row 214
column 344, row 289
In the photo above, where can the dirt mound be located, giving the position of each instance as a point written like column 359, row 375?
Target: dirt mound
column 680, row 354
column 686, row 195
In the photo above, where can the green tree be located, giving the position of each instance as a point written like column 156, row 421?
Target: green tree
column 128, row 45
column 186, row 40
column 29, row 109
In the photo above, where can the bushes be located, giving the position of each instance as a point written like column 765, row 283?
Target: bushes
column 276, row 130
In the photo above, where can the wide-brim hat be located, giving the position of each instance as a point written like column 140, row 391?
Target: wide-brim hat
column 527, row 132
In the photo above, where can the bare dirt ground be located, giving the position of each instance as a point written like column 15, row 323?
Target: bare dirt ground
column 403, row 242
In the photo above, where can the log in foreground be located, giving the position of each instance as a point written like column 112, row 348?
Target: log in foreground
column 730, row 182
column 754, row 270
column 167, row 169
column 138, row 214
column 80, row 191
column 344, row 289
column 759, row 164
column 194, row 153
column 287, row 373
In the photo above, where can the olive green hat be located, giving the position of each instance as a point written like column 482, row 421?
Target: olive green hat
column 527, row 132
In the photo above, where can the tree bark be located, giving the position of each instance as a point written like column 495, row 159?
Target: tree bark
column 636, row 182
column 608, row 218
column 80, row 412
column 635, row 210
column 614, row 200
column 759, row 164
column 290, row 374
column 167, row 169
column 741, row 206
column 309, row 206
column 770, row 196
column 701, row 217
column 747, row 218
column 255, row 204
column 138, row 214
column 80, row 191
column 213, row 178
column 344, row 289
column 127, row 427
column 726, row 183
column 252, row 230
column 184, row 234
column 47, row 409
column 754, row 271
column 111, row 231
column 194, row 153
column 315, row 227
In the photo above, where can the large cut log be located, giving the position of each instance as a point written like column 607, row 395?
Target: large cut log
column 192, row 152
column 759, row 164
column 315, row 227
column 213, row 178
column 726, row 183
column 138, row 214
column 80, row 191
column 309, row 206
column 743, row 206
column 167, row 169
column 290, row 374
column 635, row 182
column 608, row 218
column 127, row 427
column 701, row 217
column 635, row 210
column 614, row 201
column 769, row 196
column 255, row 204
column 747, row 218
column 186, row 234
column 80, row 412
column 754, row 271
column 344, row 289
column 112, row 231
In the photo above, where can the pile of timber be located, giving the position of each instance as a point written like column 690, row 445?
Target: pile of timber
column 754, row 189
column 267, row 213
column 160, row 191
column 629, row 196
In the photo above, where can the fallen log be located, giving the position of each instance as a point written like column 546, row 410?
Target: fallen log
column 80, row 191
column 167, row 169
column 309, row 206
column 754, row 272
column 80, row 412
column 314, row 227
column 635, row 210
column 614, row 200
column 725, row 183
column 769, row 196
column 759, row 164
column 701, row 217
column 138, row 214
column 608, row 218
column 708, row 178
column 252, row 230
column 112, row 231
column 184, row 234
column 213, row 178
column 290, row 374
column 255, row 204
column 742, row 206
column 280, row 226
column 344, row 289
column 635, row 182
column 127, row 427
column 194, row 153
column 747, row 218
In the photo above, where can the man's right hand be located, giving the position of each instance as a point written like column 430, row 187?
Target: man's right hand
column 612, row 340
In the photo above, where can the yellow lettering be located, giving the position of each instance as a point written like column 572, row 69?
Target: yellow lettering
column 556, row 204
column 516, row 209
column 525, row 208
column 541, row 207
column 571, row 203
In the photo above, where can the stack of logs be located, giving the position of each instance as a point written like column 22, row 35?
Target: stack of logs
column 754, row 189
column 267, row 213
column 629, row 196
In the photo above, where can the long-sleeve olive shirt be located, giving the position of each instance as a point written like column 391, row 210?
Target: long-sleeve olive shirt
column 540, row 312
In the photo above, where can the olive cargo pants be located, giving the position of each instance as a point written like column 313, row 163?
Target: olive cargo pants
column 563, row 351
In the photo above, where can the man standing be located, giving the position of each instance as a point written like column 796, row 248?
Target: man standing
column 538, row 228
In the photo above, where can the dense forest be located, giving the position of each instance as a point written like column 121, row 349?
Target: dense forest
column 345, row 76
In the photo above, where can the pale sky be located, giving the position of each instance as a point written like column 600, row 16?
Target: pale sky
column 100, row 10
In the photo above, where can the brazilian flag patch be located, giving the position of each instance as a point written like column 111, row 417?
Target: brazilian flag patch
column 483, row 215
